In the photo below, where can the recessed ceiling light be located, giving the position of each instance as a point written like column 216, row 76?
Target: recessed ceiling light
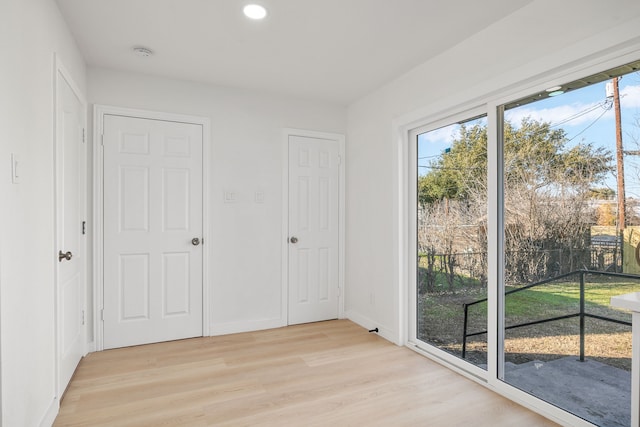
column 142, row 51
column 553, row 89
column 254, row 11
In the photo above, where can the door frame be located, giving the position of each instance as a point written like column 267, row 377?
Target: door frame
column 340, row 139
column 99, row 112
column 61, row 71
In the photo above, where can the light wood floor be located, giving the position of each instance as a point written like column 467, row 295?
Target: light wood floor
column 322, row 374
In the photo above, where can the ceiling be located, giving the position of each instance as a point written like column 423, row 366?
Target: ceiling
column 328, row 50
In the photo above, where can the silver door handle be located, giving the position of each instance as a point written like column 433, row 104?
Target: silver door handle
column 61, row 255
column 294, row 239
column 195, row 241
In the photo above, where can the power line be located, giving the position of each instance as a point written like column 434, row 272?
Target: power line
column 452, row 168
column 606, row 104
column 591, row 124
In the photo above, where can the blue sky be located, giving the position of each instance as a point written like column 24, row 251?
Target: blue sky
column 581, row 114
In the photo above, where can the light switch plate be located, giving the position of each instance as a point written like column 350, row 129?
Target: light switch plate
column 230, row 197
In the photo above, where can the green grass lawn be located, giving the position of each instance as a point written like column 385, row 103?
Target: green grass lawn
column 441, row 314
column 557, row 299
column 549, row 300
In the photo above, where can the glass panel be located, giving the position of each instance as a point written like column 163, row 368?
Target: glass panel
column 566, row 247
column 452, row 241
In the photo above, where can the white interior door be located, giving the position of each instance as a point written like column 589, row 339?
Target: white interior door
column 152, row 231
column 313, row 229
column 70, row 178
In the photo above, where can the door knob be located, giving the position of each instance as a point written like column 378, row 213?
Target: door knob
column 294, row 239
column 195, row 241
column 62, row 255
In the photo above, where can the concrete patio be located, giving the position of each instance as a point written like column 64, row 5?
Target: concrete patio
column 599, row 393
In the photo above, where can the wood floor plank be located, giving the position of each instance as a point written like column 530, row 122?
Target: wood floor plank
column 322, row 374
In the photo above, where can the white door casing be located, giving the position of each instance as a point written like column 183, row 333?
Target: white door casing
column 153, row 209
column 70, row 178
column 314, row 227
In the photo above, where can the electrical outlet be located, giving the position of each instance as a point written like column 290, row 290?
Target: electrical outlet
column 15, row 171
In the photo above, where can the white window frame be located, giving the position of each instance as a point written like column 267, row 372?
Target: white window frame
column 412, row 249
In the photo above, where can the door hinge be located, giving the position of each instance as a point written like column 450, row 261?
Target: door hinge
column 84, row 227
column 102, row 314
column 102, row 139
column 82, row 317
column 83, row 136
column 339, row 160
column 339, row 291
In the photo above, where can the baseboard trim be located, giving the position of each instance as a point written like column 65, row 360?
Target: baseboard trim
column 250, row 326
column 51, row 413
column 369, row 324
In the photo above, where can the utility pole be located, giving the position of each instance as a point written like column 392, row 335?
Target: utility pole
column 620, row 161
column 620, row 158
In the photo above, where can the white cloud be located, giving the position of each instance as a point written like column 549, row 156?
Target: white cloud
column 630, row 97
column 575, row 114
column 571, row 114
column 442, row 135
column 445, row 135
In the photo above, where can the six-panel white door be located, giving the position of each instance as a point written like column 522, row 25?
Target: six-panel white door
column 70, row 177
column 313, row 229
column 152, row 218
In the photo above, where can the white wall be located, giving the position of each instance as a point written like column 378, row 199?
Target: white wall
column 245, row 157
column 544, row 36
column 30, row 32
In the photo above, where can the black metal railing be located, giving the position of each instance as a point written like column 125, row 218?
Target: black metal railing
column 582, row 314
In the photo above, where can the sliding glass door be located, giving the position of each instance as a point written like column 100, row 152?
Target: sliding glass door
column 570, row 201
column 451, row 268
column 560, row 212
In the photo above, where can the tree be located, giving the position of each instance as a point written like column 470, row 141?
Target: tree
column 547, row 211
column 606, row 213
column 547, row 186
column 535, row 155
column 454, row 173
column 602, row 193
